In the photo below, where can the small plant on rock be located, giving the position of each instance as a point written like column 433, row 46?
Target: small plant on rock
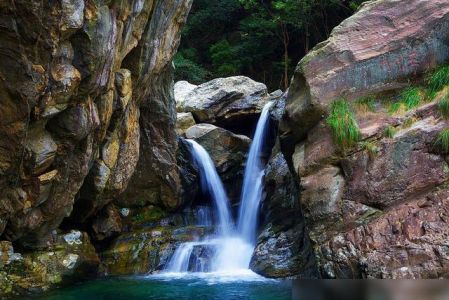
column 366, row 104
column 390, row 131
column 443, row 106
column 411, row 97
column 343, row 124
column 442, row 141
column 438, row 80
column 371, row 148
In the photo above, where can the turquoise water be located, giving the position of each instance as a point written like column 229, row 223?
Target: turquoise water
column 175, row 287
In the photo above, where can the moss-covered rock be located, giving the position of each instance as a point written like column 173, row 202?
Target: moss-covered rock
column 69, row 258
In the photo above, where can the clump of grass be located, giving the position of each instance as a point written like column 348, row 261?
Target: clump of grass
column 343, row 124
column 443, row 106
column 438, row 79
column 371, row 148
column 390, row 131
column 442, row 141
column 366, row 104
column 409, row 122
column 395, row 107
column 411, row 97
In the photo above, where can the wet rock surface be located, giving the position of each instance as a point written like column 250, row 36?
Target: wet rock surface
column 283, row 247
column 227, row 150
column 67, row 258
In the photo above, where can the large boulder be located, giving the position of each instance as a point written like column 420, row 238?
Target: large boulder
column 227, row 150
column 182, row 89
column 283, row 247
column 224, row 101
column 377, row 49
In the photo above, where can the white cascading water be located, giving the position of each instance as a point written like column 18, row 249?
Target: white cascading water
column 211, row 182
column 252, row 181
column 233, row 248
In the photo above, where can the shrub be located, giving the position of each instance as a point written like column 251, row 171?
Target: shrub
column 442, row 141
column 438, row 79
column 390, row 131
column 343, row 124
column 443, row 106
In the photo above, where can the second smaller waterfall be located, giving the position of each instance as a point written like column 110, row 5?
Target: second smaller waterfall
column 211, row 183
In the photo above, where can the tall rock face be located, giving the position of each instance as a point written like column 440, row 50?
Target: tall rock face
column 87, row 104
column 378, row 49
column 377, row 209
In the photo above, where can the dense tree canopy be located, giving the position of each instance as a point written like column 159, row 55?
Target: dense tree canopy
column 262, row 39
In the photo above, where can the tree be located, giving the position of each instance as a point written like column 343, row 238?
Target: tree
column 262, row 39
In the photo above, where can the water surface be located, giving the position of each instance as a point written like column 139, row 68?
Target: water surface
column 201, row 286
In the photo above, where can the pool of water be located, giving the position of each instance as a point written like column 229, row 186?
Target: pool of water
column 244, row 285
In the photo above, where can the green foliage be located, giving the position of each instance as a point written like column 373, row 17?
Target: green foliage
column 438, row 79
column 442, row 141
column 262, row 39
column 343, row 124
column 390, row 131
column 367, row 103
column 395, row 107
column 443, row 106
column 409, row 98
column 225, row 58
column 187, row 69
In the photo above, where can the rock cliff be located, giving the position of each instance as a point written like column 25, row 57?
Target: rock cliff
column 85, row 109
column 87, row 115
column 373, row 191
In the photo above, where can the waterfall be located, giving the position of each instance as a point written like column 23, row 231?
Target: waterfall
column 231, row 250
column 211, row 182
column 181, row 258
column 252, row 181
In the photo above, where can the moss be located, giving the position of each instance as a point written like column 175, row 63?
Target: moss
column 148, row 214
column 343, row 124
column 442, row 141
column 390, row 131
column 438, row 80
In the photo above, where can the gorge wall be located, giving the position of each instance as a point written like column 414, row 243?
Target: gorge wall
column 86, row 114
column 376, row 207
